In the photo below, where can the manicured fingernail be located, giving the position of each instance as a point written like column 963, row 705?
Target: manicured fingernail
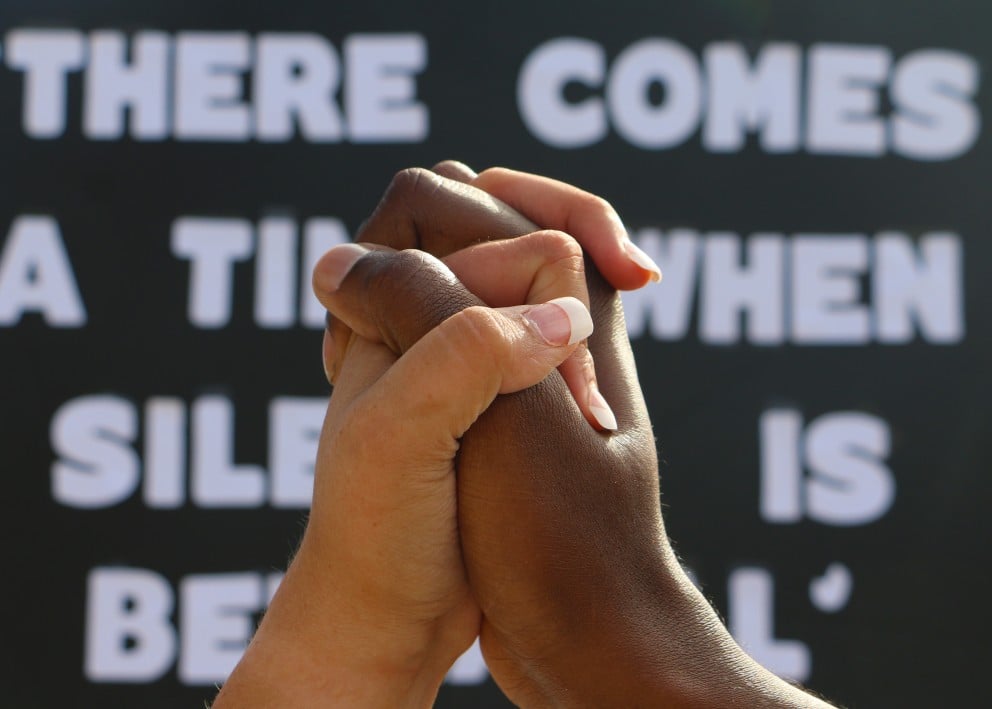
column 642, row 260
column 335, row 265
column 601, row 411
column 562, row 321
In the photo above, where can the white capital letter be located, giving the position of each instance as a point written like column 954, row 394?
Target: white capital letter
column 668, row 306
column 217, row 480
column 165, row 453
column 937, row 118
column 730, row 289
column 128, row 634
column 636, row 118
column 208, row 86
column 294, row 429
column 849, row 484
column 216, row 624
column 543, row 108
column 112, row 86
column 45, row 56
column 924, row 287
column 380, row 92
column 212, row 246
column 765, row 98
column 781, row 432
column 843, row 102
column 97, row 467
column 825, row 289
column 35, row 275
column 751, row 619
column 275, row 273
column 297, row 76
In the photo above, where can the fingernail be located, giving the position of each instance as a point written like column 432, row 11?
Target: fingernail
column 562, row 321
column 601, row 411
column 327, row 355
column 335, row 265
column 642, row 260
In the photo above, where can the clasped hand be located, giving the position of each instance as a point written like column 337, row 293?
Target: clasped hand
column 487, row 469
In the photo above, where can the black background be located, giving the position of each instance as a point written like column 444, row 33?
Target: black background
column 914, row 630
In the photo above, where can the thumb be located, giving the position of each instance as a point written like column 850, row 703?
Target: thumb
column 444, row 382
column 457, row 355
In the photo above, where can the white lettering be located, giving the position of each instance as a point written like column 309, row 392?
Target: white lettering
column 113, row 87
column 217, row 480
column 294, row 430
column 844, row 97
column 165, row 453
column 98, row 466
column 635, row 117
column 730, row 289
column 282, row 298
column 128, row 634
column 668, row 317
column 543, row 77
column 209, row 69
column 825, row 289
column 380, row 89
column 935, row 117
column 45, row 57
column 848, row 482
column 924, row 288
column 751, row 620
column 780, row 433
column 212, row 246
column 275, row 273
column 765, row 98
column 828, row 100
column 297, row 76
column 216, row 618
column 805, row 289
column 36, row 276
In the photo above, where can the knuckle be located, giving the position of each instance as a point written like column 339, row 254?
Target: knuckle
column 562, row 254
column 406, row 183
column 559, row 245
column 413, row 283
column 587, row 368
column 493, row 175
column 476, row 325
column 596, row 205
column 468, row 340
column 448, row 164
column 394, row 274
column 477, row 332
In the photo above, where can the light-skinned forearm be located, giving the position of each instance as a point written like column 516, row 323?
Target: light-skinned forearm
column 313, row 651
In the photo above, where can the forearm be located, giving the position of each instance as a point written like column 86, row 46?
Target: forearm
column 311, row 651
column 670, row 649
column 713, row 670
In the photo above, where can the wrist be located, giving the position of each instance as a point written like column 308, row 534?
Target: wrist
column 660, row 639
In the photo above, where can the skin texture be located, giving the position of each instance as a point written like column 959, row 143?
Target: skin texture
column 562, row 537
column 555, row 550
column 376, row 605
column 577, row 491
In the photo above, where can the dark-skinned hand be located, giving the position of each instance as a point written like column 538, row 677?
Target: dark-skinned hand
column 562, row 537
